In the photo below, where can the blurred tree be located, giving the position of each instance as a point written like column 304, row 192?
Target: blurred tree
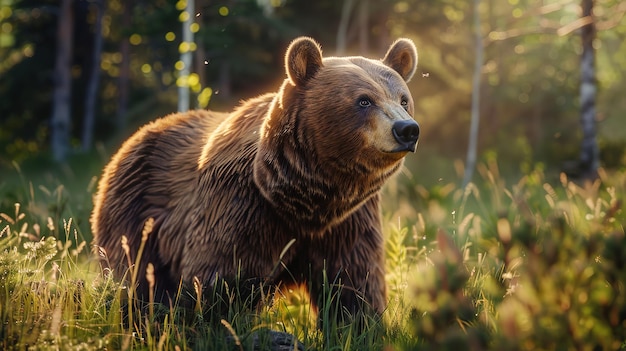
column 470, row 164
column 123, row 81
column 447, row 53
column 589, row 155
column 529, row 94
column 186, row 48
column 60, row 121
column 243, row 43
column 362, row 24
column 138, row 65
column 94, row 76
column 199, row 59
column 364, row 28
column 342, row 30
column 27, row 43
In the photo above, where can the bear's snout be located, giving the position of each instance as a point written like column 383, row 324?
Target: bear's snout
column 406, row 133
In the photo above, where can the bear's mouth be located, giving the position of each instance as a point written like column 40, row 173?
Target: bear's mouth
column 405, row 147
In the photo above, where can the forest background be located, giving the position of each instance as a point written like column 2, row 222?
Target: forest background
column 125, row 60
column 78, row 77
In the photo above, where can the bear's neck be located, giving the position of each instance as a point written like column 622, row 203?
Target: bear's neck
column 304, row 193
column 305, row 202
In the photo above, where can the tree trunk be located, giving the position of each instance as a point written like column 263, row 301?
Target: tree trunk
column 364, row 29
column 94, row 79
column 478, row 64
column 589, row 155
column 344, row 22
column 186, row 58
column 60, row 121
column 123, row 81
column 200, row 53
column 224, row 82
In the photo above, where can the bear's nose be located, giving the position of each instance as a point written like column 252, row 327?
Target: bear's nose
column 406, row 133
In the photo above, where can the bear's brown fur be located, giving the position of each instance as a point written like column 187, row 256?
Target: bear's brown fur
column 301, row 168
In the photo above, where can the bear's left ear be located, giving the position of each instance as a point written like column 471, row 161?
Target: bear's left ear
column 402, row 58
column 303, row 60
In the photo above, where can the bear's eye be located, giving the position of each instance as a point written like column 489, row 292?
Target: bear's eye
column 365, row 102
column 404, row 103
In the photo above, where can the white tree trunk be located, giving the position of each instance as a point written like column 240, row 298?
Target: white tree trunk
column 344, row 22
column 60, row 121
column 589, row 155
column 186, row 56
column 200, row 53
column 470, row 163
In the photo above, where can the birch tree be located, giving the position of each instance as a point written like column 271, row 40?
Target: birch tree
column 60, row 121
column 470, row 163
column 344, row 22
column 589, row 154
column 185, row 56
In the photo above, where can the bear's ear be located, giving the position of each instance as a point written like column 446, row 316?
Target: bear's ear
column 402, row 58
column 303, row 60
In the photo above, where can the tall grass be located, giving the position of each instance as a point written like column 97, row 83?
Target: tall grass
column 536, row 264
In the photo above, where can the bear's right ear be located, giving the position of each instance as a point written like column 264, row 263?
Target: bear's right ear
column 303, row 60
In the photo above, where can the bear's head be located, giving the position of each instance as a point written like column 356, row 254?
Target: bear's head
column 336, row 130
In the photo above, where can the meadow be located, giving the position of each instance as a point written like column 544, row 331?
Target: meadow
column 533, row 262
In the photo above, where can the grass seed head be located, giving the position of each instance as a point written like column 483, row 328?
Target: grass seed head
column 147, row 229
column 125, row 246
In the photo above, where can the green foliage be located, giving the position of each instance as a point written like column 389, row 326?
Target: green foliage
column 44, row 301
column 563, row 271
column 536, row 265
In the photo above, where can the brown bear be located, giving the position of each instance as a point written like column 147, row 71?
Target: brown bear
column 285, row 189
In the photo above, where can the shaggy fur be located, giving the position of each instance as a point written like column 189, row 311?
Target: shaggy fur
column 228, row 192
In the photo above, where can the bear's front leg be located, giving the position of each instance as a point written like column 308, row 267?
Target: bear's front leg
column 348, row 268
